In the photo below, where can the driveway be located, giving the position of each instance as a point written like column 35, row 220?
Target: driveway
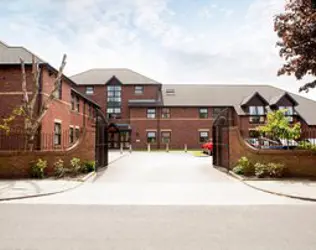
column 159, row 178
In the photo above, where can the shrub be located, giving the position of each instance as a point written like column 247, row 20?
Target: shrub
column 307, row 146
column 244, row 167
column 75, row 166
column 37, row 169
column 59, row 168
column 261, row 170
column 276, row 170
column 89, row 166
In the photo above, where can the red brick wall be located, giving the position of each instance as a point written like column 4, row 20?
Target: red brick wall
column 11, row 89
column 17, row 164
column 11, row 96
column 184, row 125
column 300, row 163
column 99, row 95
column 128, row 93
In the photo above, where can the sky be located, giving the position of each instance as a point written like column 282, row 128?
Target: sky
column 171, row 41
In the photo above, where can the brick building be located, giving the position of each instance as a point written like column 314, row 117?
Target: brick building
column 141, row 110
column 70, row 112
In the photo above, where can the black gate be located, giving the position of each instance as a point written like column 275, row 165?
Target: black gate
column 221, row 139
column 101, row 141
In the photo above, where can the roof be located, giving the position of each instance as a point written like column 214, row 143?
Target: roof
column 102, row 76
column 232, row 96
column 276, row 99
column 85, row 97
column 12, row 55
column 144, row 102
column 249, row 98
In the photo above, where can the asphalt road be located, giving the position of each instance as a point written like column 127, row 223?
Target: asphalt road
column 25, row 226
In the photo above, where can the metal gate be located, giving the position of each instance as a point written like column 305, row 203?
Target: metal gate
column 101, row 141
column 221, row 139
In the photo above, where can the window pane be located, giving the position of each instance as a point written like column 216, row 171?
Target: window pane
column 252, row 110
column 151, row 137
column 151, row 134
column 204, row 136
column 89, row 90
column 139, row 89
column 203, row 113
column 260, row 110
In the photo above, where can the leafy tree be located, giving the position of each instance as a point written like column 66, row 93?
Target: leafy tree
column 296, row 28
column 279, row 127
column 28, row 109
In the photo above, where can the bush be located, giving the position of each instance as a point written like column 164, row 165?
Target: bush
column 307, row 146
column 59, row 168
column 276, row 170
column 244, row 167
column 89, row 166
column 75, row 166
column 37, row 169
column 261, row 170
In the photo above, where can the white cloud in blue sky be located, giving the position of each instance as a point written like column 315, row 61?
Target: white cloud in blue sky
column 201, row 41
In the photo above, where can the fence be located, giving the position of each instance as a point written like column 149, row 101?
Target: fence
column 307, row 139
column 17, row 140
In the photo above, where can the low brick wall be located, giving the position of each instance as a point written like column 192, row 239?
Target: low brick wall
column 17, row 164
column 300, row 163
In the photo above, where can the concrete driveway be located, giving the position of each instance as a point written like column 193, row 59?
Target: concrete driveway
column 160, row 178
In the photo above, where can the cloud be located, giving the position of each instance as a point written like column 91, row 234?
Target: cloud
column 214, row 44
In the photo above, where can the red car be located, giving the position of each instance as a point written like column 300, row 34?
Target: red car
column 208, row 147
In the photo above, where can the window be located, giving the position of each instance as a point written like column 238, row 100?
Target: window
column 216, row 112
column 89, row 90
column 257, row 119
column 77, row 133
column 58, row 92
column 256, row 110
column 203, row 136
column 71, row 135
column 90, row 111
column 151, row 137
column 77, row 104
column 165, row 113
column 57, row 133
column 289, row 110
column 151, row 113
column 73, row 102
column 314, row 4
column 165, row 137
column 114, row 100
column 114, row 113
column 203, row 113
column 139, row 90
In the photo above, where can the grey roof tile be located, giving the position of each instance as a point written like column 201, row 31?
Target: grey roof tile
column 102, row 76
column 232, row 95
column 12, row 55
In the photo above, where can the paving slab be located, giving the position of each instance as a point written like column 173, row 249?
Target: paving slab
column 300, row 189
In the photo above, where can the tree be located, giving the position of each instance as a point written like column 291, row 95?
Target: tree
column 296, row 28
column 32, row 118
column 278, row 126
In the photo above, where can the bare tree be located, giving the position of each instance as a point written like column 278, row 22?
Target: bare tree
column 28, row 110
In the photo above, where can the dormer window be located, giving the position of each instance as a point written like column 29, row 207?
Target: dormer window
column 256, row 110
column 289, row 112
column 256, row 114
